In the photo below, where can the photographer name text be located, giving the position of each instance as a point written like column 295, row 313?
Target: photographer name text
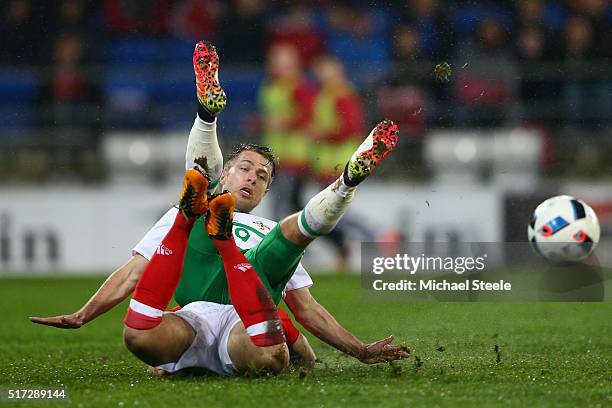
column 441, row 285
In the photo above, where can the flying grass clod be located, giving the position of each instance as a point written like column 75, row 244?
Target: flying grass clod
column 443, row 71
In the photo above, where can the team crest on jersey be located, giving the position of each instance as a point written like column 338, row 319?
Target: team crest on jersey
column 261, row 225
column 243, row 267
column 163, row 250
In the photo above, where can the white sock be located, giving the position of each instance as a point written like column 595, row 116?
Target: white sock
column 325, row 209
column 203, row 143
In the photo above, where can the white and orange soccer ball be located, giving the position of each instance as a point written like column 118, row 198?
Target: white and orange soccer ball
column 564, row 229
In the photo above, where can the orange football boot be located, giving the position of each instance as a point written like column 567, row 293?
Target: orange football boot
column 220, row 217
column 194, row 200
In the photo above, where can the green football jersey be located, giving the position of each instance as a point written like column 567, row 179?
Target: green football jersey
column 276, row 260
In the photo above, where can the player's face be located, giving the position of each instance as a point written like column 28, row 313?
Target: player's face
column 248, row 179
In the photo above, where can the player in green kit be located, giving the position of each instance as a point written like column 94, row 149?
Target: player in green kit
column 203, row 289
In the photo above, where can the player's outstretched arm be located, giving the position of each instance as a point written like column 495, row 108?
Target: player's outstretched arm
column 119, row 285
column 318, row 321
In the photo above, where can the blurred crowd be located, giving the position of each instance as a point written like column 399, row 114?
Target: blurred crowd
column 533, row 61
column 304, row 77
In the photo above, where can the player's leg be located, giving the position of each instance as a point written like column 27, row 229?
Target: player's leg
column 164, row 343
column 246, row 356
column 300, row 352
column 279, row 253
column 249, row 295
column 150, row 335
column 260, row 342
column 203, row 146
column 324, row 210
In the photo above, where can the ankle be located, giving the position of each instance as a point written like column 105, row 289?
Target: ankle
column 346, row 179
column 205, row 114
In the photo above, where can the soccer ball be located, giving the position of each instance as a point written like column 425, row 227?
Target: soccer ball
column 564, row 229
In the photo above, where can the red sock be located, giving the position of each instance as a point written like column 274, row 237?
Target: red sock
column 250, row 297
column 291, row 332
column 160, row 278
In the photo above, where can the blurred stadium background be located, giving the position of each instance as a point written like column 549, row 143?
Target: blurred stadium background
column 97, row 99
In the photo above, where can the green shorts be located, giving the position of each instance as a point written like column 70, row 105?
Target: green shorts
column 274, row 258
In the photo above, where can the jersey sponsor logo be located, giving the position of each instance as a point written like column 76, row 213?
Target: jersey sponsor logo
column 163, row 250
column 243, row 267
column 261, row 225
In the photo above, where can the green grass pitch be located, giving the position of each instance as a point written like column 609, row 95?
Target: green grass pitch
column 551, row 354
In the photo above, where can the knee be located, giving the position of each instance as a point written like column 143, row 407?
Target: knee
column 302, row 354
column 279, row 360
column 135, row 340
column 142, row 344
column 275, row 359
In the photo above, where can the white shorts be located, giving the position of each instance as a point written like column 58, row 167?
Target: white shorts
column 212, row 323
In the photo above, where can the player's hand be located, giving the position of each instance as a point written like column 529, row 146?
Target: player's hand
column 70, row 321
column 382, row 351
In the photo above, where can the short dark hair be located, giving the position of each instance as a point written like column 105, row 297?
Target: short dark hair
column 253, row 147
